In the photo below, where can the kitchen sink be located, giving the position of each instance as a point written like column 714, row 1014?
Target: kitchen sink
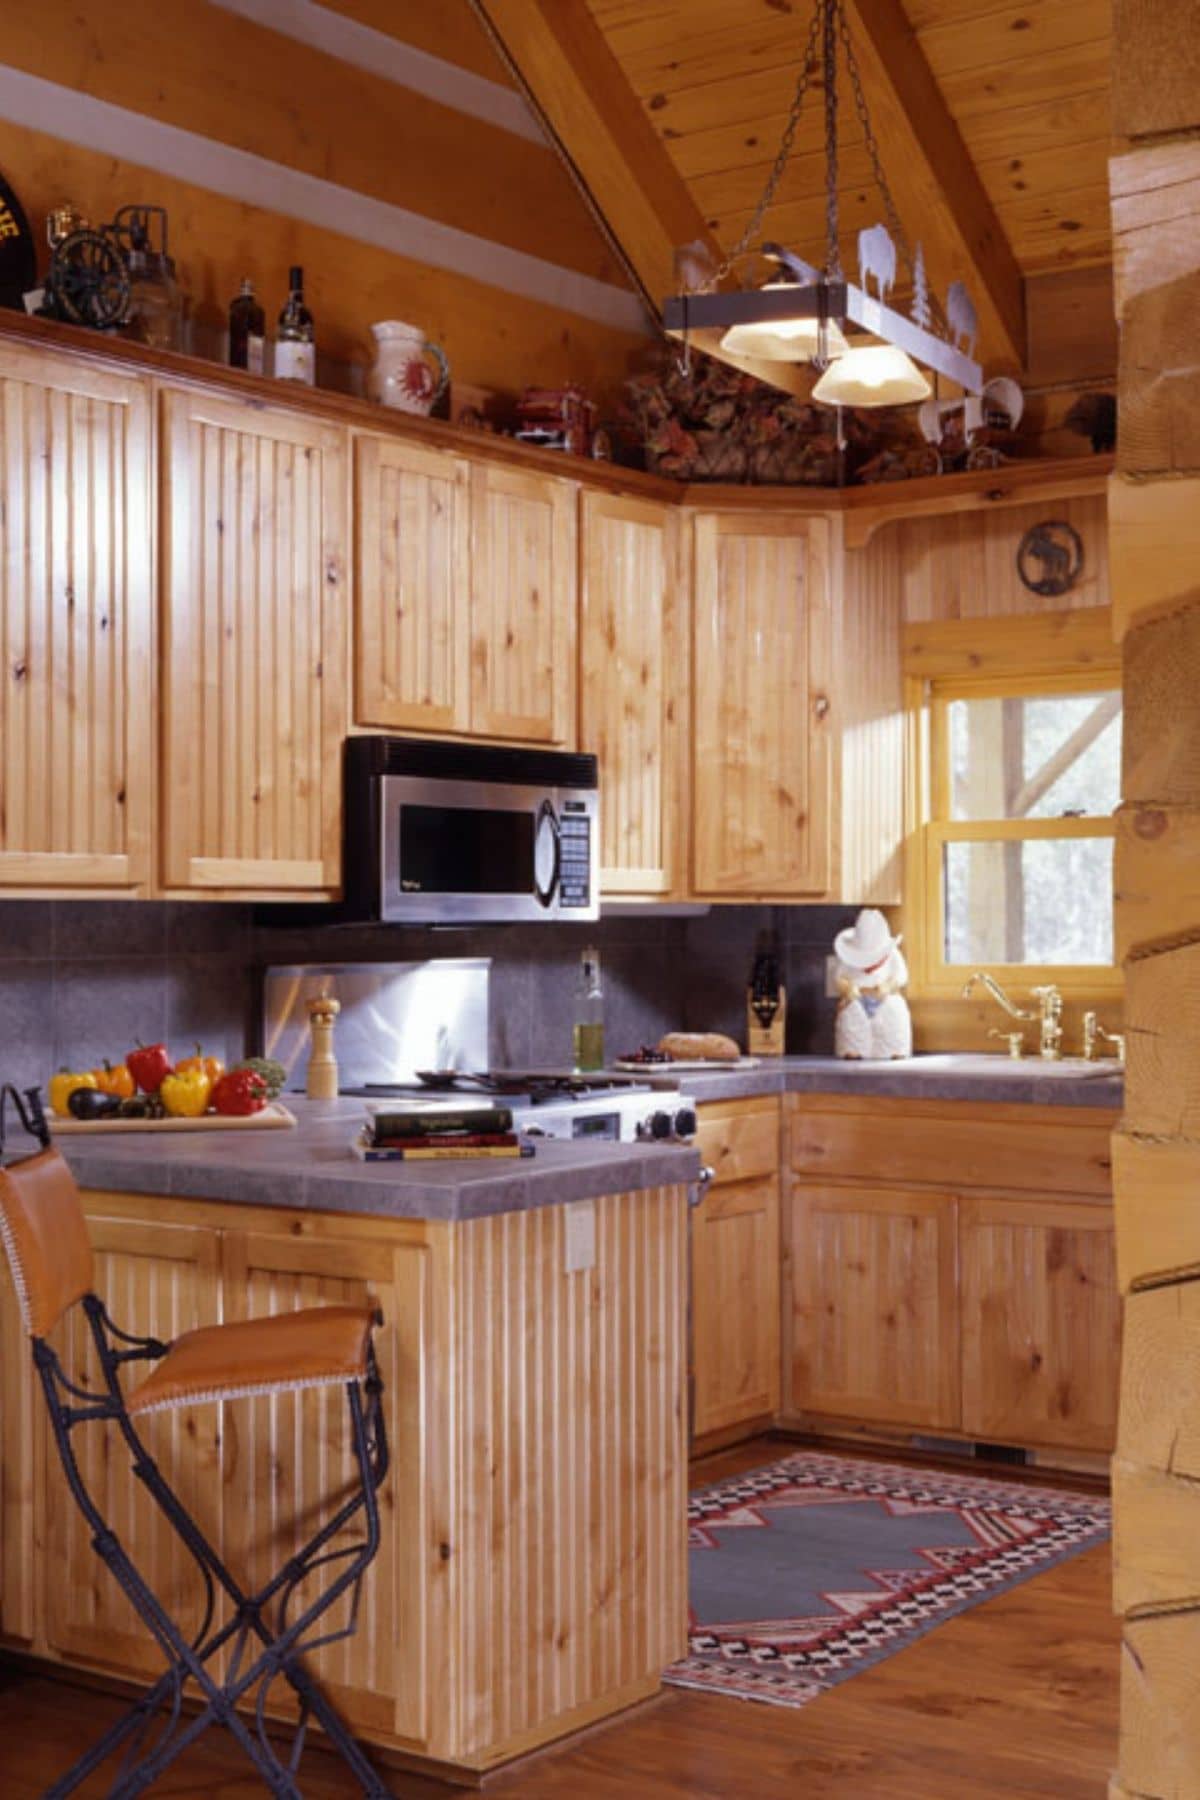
column 998, row 1066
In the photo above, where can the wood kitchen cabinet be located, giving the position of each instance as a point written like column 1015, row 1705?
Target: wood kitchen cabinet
column 735, row 1268
column 523, row 592
column 874, row 1304
column 951, row 1267
column 1041, row 1322
column 763, row 718
column 76, row 625
column 412, row 509
column 633, row 688
column 254, row 671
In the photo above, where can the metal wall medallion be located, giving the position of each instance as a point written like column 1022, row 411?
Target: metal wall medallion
column 1050, row 557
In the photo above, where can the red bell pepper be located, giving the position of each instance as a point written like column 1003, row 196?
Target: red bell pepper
column 148, row 1064
column 239, row 1093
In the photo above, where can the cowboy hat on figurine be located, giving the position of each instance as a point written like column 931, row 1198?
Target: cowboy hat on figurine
column 873, row 1021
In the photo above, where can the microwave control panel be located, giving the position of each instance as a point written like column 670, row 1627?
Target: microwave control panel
column 575, row 853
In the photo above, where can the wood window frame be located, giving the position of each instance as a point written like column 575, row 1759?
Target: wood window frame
column 1067, row 652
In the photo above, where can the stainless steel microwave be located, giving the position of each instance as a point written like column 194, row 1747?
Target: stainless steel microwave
column 468, row 833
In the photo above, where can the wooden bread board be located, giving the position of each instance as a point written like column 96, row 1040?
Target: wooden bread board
column 713, row 1064
column 273, row 1117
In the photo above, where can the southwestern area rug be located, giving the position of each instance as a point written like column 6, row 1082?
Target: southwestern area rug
column 818, row 1566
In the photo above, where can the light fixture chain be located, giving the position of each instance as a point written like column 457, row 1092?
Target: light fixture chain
column 894, row 223
column 833, row 253
column 803, row 81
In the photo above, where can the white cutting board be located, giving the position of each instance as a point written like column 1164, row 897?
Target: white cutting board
column 713, row 1064
column 274, row 1117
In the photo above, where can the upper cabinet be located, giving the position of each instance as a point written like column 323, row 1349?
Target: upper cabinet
column 633, row 681
column 413, row 536
column 523, row 592
column 466, row 595
column 762, row 739
column 76, row 634
column 254, row 674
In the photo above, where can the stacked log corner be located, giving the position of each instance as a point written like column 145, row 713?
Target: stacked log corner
column 1154, row 523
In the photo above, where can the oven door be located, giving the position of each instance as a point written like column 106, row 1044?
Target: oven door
column 478, row 851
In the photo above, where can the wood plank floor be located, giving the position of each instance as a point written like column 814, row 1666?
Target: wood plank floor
column 1016, row 1698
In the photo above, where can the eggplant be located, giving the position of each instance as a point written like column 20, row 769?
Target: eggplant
column 90, row 1103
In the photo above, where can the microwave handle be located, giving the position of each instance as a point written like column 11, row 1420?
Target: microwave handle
column 547, row 816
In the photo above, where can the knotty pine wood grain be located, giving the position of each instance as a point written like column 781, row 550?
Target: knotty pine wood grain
column 254, row 569
column 633, row 681
column 524, row 577
column 412, row 590
column 76, row 625
column 762, row 753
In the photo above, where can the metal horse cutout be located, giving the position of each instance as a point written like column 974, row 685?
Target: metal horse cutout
column 877, row 257
column 961, row 317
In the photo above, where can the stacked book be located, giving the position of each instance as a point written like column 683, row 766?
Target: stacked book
column 428, row 1133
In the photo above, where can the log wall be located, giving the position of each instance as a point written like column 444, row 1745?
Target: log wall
column 1154, row 539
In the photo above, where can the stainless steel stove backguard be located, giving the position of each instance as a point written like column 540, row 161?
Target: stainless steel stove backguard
column 396, row 1018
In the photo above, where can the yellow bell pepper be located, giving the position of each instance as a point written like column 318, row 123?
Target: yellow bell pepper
column 185, row 1094
column 63, row 1085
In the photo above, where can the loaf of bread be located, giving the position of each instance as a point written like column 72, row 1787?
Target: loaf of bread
column 699, row 1046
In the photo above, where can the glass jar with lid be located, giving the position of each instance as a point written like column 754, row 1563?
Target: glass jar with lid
column 155, row 314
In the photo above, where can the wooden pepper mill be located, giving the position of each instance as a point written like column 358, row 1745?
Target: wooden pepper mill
column 322, row 1082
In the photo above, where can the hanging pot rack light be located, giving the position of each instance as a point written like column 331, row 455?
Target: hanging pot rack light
column 867, row 352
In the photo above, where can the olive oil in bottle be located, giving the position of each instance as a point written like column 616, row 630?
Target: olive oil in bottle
column 588, row 1032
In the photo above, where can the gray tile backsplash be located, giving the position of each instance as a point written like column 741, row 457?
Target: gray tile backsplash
column 80, row 980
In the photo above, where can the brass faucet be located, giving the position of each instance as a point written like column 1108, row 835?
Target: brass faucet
column 1093, row 1032
column 1048, row 1015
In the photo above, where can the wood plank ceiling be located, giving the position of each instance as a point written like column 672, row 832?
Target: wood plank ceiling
column 1027, row 85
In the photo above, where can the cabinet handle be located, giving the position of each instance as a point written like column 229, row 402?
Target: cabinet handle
column 821, row 706
column 701, row 1185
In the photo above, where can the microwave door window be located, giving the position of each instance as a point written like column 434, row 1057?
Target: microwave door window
column 466, row 850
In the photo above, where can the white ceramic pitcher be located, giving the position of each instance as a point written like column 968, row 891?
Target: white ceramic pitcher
column 401, row 374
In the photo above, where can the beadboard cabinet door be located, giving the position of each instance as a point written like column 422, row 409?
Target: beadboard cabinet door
column 633, row 687
column 1041, row 1322
column 524, row 583
column 254, row 523
column 412, row 519
column 76, row 631
column 762, row 752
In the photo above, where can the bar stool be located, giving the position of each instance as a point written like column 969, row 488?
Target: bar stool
column 45, row 1237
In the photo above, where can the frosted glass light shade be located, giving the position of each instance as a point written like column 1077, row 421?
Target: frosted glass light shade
column 874, row 375
column 783, row 340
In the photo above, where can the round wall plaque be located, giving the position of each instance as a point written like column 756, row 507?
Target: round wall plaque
column 1050, row 557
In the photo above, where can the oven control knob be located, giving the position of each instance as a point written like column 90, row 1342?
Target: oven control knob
column 658, row 1125
column 685, row 1122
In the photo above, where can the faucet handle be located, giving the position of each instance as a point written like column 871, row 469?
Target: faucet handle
column 1014, row 1039
column 1093, row 1032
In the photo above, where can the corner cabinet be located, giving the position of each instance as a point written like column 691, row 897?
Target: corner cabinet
column 951, row 1268
column 762, row 757
column 633, row 682
column 76, row 625
column 254, row 669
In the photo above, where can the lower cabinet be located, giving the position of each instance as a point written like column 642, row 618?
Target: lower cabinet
column 875, row 1304
column 735, row 1269
column 974, row 1302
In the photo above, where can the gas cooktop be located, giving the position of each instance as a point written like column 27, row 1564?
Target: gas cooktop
column 521, row 1088
column 553, row 1103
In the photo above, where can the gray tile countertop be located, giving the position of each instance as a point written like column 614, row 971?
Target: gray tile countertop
column 958, row 1076
column 312, row 1166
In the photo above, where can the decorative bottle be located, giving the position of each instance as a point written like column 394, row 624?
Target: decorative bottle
column 295, row 351
column 588, row 1033
column 247, row 330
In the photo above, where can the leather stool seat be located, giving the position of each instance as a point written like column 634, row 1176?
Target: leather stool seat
column 260, row 1356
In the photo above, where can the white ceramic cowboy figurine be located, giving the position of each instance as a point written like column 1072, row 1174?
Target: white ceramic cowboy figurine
column 873, row 1020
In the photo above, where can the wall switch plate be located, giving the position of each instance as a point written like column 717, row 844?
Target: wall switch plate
column 831, row 969
column 579, row 1236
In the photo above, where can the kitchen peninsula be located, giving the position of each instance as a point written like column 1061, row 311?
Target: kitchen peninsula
column 532, row 1577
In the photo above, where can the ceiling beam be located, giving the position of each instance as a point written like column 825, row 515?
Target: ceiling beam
column 574, row 81
column 933, row 174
